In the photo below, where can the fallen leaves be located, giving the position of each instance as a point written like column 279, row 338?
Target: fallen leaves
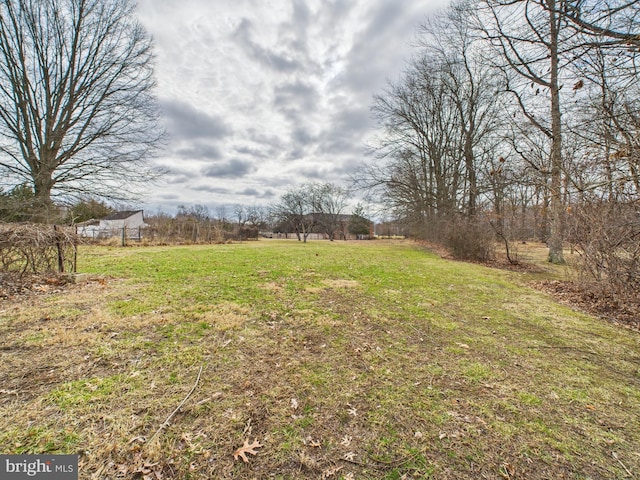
column 309, row 441
column 507, row 471
column 330, row 472
column 246, row 448
column 139, row 468
column 149, row 470
column 14, row 286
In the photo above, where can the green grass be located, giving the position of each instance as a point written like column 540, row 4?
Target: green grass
column 366, row 360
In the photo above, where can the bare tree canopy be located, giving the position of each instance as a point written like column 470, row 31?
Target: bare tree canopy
column 545, row 43
column 77, row 112
column 608, row 22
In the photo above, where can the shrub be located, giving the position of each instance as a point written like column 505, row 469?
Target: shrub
column 470, row 239
column 606, row 235
column 37, row 248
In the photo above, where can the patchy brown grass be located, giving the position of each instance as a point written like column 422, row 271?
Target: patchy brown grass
column 354, row 360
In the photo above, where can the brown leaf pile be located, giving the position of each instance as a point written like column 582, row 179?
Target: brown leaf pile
column 13, row 285
column 585, row 298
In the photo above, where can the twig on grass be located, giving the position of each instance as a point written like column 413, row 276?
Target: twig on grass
column 563, row 347
column 381, row 464
column 398, row 462
column 184, row 400
column 615, row 455
column 362, row 464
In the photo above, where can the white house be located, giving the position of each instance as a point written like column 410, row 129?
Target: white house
column 131, row 221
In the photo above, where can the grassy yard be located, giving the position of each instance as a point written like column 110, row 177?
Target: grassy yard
column 366, row 360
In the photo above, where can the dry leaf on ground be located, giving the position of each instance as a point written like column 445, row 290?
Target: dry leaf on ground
column 246, row 448
column 330, row 472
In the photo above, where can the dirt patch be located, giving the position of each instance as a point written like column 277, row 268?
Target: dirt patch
column 340, row 283
column 272, row 287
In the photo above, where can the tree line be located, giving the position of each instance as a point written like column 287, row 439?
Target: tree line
column 517, row 119
column 314, row 207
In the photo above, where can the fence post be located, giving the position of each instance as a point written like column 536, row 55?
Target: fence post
column 59, row 248
column 124, row 236
column 75, row 251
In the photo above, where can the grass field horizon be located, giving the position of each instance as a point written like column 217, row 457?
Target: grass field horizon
column 348, row 360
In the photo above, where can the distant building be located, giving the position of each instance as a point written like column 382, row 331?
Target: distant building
column 131, row 221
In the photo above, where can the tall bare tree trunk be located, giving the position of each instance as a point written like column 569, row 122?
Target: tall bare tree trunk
column 469, row 160
column 556, row 231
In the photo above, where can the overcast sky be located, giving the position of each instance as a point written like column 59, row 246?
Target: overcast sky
column 262, row 95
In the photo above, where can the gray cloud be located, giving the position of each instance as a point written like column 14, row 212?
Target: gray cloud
column 281, row 62
column 175, row 175
column 296, row 97
column 249, row 192
column 254, row 192
column 186, row 122
column 234, row 168
column 296, row 153
column 302, row 136
column 337, row 173
column 258, row 136
column 338, row 10
column 301, row 15
column 169, row 196
column 200, row 151
column 250, row 151
column 179, row 179
column 374, row 58
column 347, row 131
column 313, row 172
column 210, row 189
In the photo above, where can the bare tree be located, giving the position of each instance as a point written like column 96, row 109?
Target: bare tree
column 542, row 44
column 605, row 22
column 330, row 203
column 470, row 83
column 440, row 121
column 421, row 172
column 296, row 211
column 77, row 113
column 256, row 216
column 608, row 118
column 533, row 39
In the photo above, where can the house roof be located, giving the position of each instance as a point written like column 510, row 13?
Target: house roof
column 88, row 223
column 122, row 215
